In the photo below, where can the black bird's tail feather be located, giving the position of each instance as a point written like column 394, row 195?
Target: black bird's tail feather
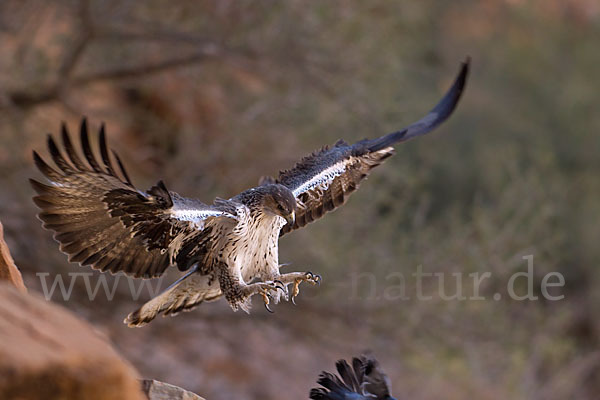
column 364, row 380
column 335, row 388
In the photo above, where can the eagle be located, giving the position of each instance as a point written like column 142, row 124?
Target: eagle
column 365, row 380
column 228, row 248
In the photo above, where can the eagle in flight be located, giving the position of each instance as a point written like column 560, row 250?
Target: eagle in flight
column 229, row 247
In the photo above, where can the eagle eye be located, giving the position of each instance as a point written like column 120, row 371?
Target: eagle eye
column 280, row 207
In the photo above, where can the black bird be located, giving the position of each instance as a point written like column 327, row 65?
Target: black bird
column 365, row 380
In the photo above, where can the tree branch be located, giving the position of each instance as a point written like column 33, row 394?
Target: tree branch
column 142, row 70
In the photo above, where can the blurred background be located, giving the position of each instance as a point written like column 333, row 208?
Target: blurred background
column 209, row 96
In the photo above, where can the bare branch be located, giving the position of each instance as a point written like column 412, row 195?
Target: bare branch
column 25, row 99
column 141, row 70
column 154, row 36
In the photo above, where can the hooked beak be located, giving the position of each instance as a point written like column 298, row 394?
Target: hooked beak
column 291, row 218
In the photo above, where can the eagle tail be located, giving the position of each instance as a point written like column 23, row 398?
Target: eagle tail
column 183, row 295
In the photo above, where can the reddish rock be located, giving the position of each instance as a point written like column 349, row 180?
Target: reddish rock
column 48, row 353
column 8, row 270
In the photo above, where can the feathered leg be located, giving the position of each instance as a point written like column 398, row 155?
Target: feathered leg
column 238, row 293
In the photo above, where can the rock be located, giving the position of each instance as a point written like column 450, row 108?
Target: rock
column 8, row 270
column 156, row 390
column 48, row 353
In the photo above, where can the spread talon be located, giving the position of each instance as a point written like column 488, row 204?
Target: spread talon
column 314, row 279
column 265, row 296
column 280, row 286
column 318, row 279
column 296, row 278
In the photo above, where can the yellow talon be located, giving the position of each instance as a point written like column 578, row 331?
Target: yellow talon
column 265, row 297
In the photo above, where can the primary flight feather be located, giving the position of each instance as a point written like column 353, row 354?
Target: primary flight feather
column 228, row 248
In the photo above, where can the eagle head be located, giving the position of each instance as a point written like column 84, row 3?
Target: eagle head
column 279, row 200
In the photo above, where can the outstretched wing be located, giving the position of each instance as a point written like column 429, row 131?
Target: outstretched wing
column 100, row 219
column 323, row 181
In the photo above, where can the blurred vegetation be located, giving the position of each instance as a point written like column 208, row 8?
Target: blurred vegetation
column 209, row 96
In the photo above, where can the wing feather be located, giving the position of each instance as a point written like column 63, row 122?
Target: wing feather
column 57, row 156
column 71, row 153
column 104, row 151
column 87, row 149
column 324, row 180
column 363, row 380
column 102, row 220
column 45, row 169
column 122, row 169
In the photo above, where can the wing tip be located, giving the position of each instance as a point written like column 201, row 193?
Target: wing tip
column 38, row 187
column 461, row 80
column 104, row 153
column 50, row 173
column 438, row 114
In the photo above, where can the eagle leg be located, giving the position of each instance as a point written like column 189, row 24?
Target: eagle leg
column 262, row 288
column 296, row 278
column 238, row 293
